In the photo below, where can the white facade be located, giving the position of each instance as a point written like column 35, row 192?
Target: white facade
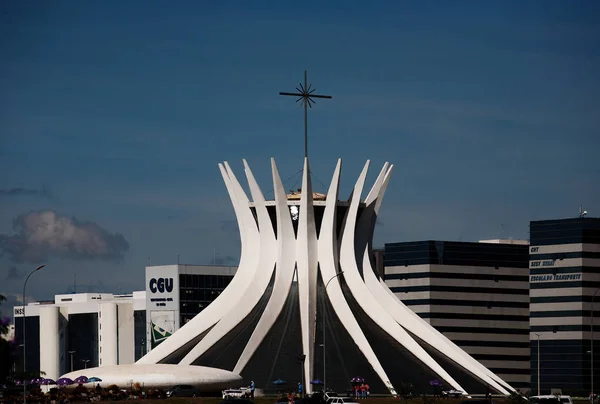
column 160, row 376
column 115, row 327
column 164, row 295
column 291, row 242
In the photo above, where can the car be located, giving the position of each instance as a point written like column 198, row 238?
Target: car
column 341, row 400
column 453, row 393
column 183, row 390
column 242, row 392
column 551, row 399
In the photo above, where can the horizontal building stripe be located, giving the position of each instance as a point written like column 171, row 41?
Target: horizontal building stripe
column 567, row 284
column 511, row 344
column 558, row 299
column 566, row 313
column 554, row 321
column 481, row 330
column 562, row 328
column 564, row 255
column 437, row 275
column 462, row 302
column 450, row 284
column 504, row 351
column 554, row 292
column 482, row 309
column 556, row 336
column 471, row 316
column 496, row 357
column 492, row 337
column 509, row 370
column 454, row 269
column 567, row 306
column 558, row 248
column 461, row 296
column 462, row 289
column 485, row 324
column 564, row 263
column 579, row 269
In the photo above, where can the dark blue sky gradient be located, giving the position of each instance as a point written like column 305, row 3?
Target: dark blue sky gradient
column 489, row 111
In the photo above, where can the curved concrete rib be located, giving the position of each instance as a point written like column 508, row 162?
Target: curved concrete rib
column 307, row 264
column 364, row 298
column 284, row 268
column 402, row 314
column 230, row 297
column 327, row 245
column 256, row 288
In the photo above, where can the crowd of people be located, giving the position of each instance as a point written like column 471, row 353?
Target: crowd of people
column 361, row 391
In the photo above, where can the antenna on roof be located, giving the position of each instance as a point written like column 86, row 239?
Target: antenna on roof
column 582, row 212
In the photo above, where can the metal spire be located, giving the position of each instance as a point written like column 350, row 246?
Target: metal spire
column 305, row 94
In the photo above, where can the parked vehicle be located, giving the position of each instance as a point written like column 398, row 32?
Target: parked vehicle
column 242, row 392
column 551, row 399
column 341, row 400
column 183, row 390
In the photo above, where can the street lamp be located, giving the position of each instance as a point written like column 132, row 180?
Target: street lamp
column 538, row 361
column 85, row 361
column 71, row 353
column 592, row 346
column 24, row 328
column 324, row 294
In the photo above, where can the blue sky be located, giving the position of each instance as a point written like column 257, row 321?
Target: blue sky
column 114, row 116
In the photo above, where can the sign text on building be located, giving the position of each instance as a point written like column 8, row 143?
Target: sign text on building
column 555, row 277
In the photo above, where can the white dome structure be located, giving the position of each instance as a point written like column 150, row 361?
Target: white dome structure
column 159, row 376
column 306, row 288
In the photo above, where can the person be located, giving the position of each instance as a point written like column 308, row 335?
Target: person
column 252, row 389
column 300, row 390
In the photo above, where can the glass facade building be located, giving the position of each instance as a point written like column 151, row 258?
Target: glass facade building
column 198, row 291
column 564, row 276
column 476, row 294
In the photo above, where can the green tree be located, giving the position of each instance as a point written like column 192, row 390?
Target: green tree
column 6, row 348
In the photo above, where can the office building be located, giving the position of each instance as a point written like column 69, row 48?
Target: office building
column 176, row 293
column 81, row 330
column 476, row 294
column 565, row 282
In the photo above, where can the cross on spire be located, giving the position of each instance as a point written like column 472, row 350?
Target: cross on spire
column 306, row 95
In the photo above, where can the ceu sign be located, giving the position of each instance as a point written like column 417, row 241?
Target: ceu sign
column 161, row 285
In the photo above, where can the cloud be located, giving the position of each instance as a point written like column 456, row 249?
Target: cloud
column 44, row 192
column 43, row 234
column 13, row 273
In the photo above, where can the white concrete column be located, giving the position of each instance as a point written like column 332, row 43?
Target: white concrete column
column 126, row 334
column 49, row 342
column 108, row 338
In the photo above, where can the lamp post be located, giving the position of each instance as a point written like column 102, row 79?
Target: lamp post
column 71, row 353
column 85, row 362
column 592, row 347
column 538, row 362
column 324, row 367
column 24, row 328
